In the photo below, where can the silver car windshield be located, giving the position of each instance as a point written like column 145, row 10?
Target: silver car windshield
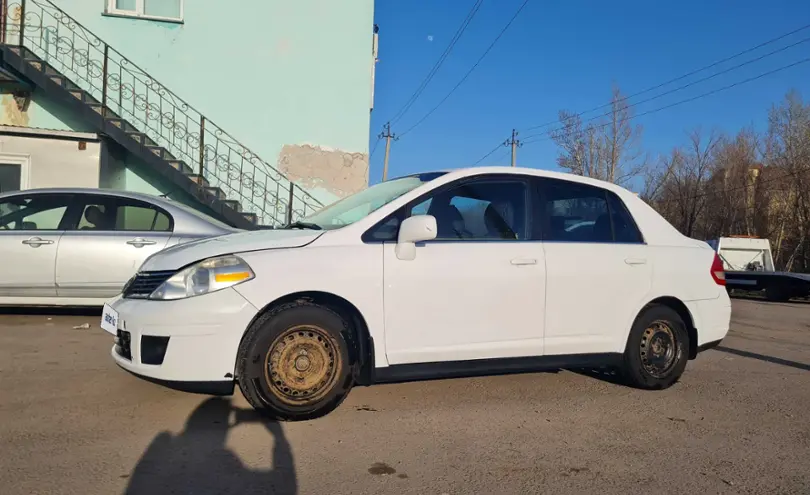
column 358, row 206
column 202, row 216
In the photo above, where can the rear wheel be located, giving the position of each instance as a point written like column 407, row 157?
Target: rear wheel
column 657, row 350
column 293, row 362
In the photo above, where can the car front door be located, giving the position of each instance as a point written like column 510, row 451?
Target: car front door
column 598, row 272
column 31, row 227
column 476, row 291
column 113, row 237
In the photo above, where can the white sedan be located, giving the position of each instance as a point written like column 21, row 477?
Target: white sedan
column 446, row 274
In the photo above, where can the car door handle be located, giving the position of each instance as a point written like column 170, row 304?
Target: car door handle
column 524, row 261
column 36, row 241
column 140, row 242
column 635, row 261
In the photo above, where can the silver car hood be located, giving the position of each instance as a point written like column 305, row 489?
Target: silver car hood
column 180, row 255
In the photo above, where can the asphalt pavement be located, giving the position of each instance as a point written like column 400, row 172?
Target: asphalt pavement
column 71, row 422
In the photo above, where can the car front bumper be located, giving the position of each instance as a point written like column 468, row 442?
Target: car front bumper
column 188, row 344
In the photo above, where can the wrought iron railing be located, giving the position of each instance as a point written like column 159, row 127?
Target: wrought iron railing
column 165, row 118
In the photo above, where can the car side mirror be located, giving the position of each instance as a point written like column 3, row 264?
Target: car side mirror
column 418, row 228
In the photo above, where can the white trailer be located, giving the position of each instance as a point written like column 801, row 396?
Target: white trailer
column 748, row 263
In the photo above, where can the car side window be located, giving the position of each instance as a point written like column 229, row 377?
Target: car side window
column 576, row 213
column 582, row 213
column 119, row 214
column 624, row 227
column 487, row 209
column 33, row 212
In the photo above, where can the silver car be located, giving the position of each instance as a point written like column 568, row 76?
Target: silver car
column 78, row 247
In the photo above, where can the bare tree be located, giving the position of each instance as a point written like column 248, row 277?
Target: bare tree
column 788, row 150
column 685, row 191
column 608, row 148
column 580, row 150
column 733, row 186
column 656, row 175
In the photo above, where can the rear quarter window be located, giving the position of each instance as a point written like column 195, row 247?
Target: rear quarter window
column 576, row 212
column 624, row 226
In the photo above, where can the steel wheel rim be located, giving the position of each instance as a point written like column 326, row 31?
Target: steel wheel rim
column 302, row 365
column 659, row 349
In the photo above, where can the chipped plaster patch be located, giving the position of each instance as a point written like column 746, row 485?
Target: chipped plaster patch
column 283, row 47
column 315, row 167
column 12, row 114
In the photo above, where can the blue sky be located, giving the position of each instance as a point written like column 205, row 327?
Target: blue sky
column 566, row 54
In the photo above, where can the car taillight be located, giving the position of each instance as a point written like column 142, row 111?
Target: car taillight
column 717, row 270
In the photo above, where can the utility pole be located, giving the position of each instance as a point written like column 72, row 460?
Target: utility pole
column 514, row 142
column 388, row 137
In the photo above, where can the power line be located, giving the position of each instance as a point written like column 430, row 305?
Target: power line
column 496, row 148
column 503, row 155
column 478, row 62
column 687, row 100
column 463, row 27
column 374, row 148
column 684, row 76
column 679, row 88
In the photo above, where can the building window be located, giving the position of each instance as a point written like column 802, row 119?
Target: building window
column 162, row 10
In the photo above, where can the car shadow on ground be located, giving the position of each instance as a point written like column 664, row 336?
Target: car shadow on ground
column 49, row 311
column 763, row 357
column 609, row 375
column 613, row 376
column 197, row 460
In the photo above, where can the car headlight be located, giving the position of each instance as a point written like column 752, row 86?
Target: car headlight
column 204, row 277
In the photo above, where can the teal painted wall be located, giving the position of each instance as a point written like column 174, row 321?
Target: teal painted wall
column 271, row 73
column 124, row 172
column 291, row 80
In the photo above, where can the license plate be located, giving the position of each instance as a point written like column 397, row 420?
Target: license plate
column 109, row 320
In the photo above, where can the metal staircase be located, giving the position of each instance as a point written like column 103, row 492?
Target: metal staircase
column 61, row 57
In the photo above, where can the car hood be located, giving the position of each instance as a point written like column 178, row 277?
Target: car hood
column 180, row 255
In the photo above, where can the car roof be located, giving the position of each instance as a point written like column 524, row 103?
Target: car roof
column 455, row 173
column 90, row 190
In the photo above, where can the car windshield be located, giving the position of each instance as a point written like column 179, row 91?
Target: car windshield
column 197, row 213
column 358, row 206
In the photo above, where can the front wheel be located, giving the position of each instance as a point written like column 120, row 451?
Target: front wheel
column 293, row 363
column 657, row 350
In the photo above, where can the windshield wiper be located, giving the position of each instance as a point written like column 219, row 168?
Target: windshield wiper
column 303, row 225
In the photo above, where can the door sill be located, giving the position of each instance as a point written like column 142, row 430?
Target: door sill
column 489, row 367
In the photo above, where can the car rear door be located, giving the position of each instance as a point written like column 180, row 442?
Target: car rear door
column 597, row 265
column 31, row 226
column 113, row 237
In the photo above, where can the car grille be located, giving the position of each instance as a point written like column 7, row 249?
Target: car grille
column 144, row 283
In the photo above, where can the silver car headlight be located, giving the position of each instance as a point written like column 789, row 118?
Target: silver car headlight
column 204, row 277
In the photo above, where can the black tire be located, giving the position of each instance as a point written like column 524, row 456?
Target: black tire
column 647, row 362
column 269, row 366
